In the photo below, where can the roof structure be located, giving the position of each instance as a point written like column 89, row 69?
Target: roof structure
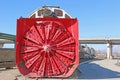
column 7, row 38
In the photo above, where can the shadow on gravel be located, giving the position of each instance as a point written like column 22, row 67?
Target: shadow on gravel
column 84, row 60
column 94, row 71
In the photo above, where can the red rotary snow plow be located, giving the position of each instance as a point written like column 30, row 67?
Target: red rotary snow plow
column 47, row 47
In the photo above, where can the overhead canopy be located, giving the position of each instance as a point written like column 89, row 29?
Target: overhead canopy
column 7, row 38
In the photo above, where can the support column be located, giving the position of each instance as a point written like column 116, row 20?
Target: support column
column 109, row 51
column 1, row 45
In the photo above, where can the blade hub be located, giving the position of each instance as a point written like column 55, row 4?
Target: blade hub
column 46, row 48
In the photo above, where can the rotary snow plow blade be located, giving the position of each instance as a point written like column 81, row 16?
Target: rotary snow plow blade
column 47, row 47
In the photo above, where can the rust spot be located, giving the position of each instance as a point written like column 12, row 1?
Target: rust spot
column 22, row 64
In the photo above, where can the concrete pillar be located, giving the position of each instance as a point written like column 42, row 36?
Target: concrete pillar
column 1, row 45
column 109, row 51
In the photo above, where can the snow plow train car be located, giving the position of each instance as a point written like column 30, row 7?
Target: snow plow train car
column 47, row 43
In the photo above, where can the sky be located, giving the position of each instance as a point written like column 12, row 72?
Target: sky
column 97, row 18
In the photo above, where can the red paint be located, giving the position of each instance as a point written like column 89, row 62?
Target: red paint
column 47, row 47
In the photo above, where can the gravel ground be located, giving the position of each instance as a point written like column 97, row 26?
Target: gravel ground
column 13, row 74
column 96, row 69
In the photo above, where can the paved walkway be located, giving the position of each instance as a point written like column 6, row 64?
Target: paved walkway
column 100, row 70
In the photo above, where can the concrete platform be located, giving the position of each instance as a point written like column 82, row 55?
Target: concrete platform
column 100, row 70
